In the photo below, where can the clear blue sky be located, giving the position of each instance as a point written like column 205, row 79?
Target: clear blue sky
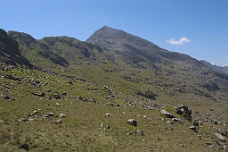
column 198, row 28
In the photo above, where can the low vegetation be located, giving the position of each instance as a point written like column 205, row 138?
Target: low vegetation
column 69, row 95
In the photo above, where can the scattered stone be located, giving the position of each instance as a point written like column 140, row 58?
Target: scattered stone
column 212, row 109
column 132, row 122
column 209, row 144
column 39, row 94
column 144, row 116
column 64, row 93
column 214, row 122
column 177, row 119
column 193, row 128
column 197, row 122
column 23, row 119
column 107, row 114
column 102, row 125
column 24, row 146
column 30, row 119
column 117, row 109
column 6, row 97
column 224, row 148
column 62, row 115
column 45, row 83
column 169, row 122
column 167, row 114
column 56, row 96
column 34, row 113
column 59, row 121
column 108, row 127
column 128, row 134
column 79, row 98
column 92, row 100
column 185, row 111
column 49, row 114
column 57, row 104
column 220, row 137
column 139, row 132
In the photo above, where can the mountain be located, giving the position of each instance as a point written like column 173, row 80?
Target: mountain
column 113, row 92
column 135, row 50
column 180, row 71
column 217, row 68
column 9, row 51
column 51, row 51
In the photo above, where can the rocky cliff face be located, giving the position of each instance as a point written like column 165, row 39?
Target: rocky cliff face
column 9, row 51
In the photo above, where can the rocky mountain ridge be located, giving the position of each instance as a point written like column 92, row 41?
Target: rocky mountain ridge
column 114, row 92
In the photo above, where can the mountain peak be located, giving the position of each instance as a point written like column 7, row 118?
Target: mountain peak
column 106, row 33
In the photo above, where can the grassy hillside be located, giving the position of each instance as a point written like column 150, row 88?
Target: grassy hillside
column 80, row 95
column 96, row 116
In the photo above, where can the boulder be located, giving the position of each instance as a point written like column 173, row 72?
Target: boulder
column 185, row 111
column 49, row 114
column 193, row 128
column 139, row 132
column 220, row 137
column 5, row 97
column 167, row 114
column 107, row 114
column 62, row 115
column 197, row 122
column 132, row 122
column 177, row 119
column 59, row 121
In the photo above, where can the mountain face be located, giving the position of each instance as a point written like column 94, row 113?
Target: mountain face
column 113, row 50
column 217, row 68
column 9, row 51
column 113, row 90
column 182, row 70
column 136, row 50
column 61, row 51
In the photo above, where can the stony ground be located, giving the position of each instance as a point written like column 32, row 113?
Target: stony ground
column 42, row 111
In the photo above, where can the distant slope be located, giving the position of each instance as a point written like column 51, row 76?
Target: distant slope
column 217, row 68
column 135, row 50
column 9, row 51
column 180, row 72
column 123, row 60
column 52, row 51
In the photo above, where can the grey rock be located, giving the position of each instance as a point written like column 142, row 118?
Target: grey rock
column 197, row 122
column 59, row 121
column 167, row 114
column 177, row 119
column 6, row 97
column 193, row 128
column 23, row 119
column 107, row 114
column 62, row 115
column 92, row 100
column 184, row 110
column 49, row 114
column 34, row 113
column 39, row 94
column 139, row 132
column 220, row 137
column 132, row 122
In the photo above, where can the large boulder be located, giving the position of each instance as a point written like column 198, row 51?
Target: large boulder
column 185, row 111
column 220, row 137
column 167, row 114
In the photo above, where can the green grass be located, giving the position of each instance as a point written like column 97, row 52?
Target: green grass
column 80, row 130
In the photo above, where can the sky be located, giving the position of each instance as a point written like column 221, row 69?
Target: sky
column 198, row 28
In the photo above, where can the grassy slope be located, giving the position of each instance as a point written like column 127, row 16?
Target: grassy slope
column 80, row 129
